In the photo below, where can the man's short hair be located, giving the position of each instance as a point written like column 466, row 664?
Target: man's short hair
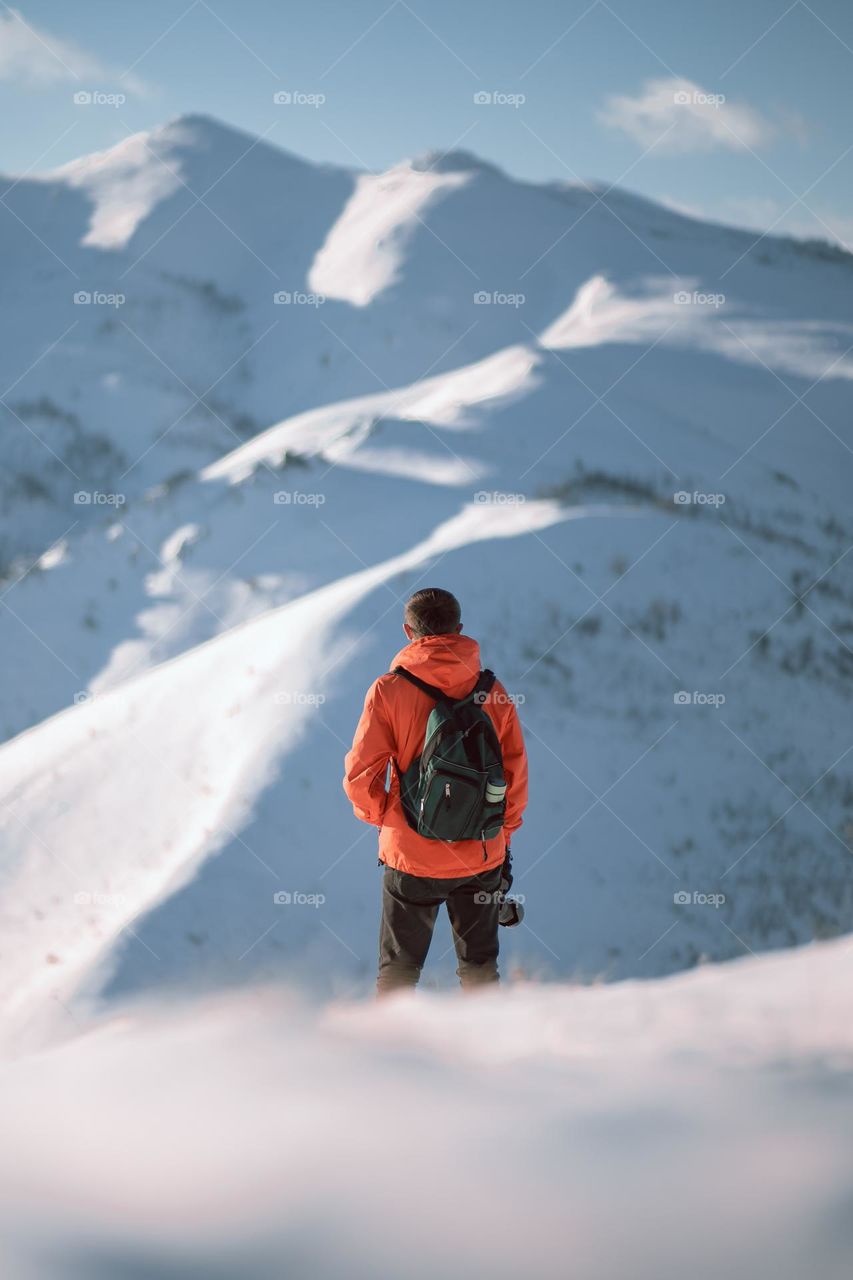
column 432, row 612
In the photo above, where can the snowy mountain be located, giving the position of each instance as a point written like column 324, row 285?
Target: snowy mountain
column 621, row 435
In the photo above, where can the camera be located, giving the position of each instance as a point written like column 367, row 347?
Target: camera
column 511, row 911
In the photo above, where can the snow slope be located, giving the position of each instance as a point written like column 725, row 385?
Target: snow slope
column 696, row 1126
column 193, row 658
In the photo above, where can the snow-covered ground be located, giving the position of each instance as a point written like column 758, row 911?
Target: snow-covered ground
column 696, row 1126
column 295, row 394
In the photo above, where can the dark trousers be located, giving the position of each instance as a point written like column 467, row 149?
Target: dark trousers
column 409, row 909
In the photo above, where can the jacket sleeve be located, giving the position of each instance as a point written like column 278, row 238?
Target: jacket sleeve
column 515, row 767
column 366, row 762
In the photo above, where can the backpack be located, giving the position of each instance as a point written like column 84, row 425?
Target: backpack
column 455, row 789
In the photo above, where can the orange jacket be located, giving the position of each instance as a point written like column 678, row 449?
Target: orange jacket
column 392, row 728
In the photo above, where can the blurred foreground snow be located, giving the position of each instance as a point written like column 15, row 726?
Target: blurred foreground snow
column 694, row 1126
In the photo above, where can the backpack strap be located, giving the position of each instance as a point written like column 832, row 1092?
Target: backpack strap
column 479, row 693
column 483, row 687
column 438, row 695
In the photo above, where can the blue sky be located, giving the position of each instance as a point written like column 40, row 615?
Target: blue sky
column 732, row 109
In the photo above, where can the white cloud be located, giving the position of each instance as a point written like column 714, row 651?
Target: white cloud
column 37, row 58
column 690, row 118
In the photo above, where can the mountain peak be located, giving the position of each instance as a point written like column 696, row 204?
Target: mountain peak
column 187, row 133
column 197, row 127
column 453, row 162
column 194, row 152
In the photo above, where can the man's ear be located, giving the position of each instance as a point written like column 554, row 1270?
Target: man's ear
column 459, row 628
column 408, row 631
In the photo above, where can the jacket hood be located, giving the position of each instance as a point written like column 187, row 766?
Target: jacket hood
column 451, row 662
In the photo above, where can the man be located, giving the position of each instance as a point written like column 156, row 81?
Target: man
column 421, row 873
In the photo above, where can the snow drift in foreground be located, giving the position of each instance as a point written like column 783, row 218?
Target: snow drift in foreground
column 696, row 1126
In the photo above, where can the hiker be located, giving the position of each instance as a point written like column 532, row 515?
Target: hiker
column 446, row 819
